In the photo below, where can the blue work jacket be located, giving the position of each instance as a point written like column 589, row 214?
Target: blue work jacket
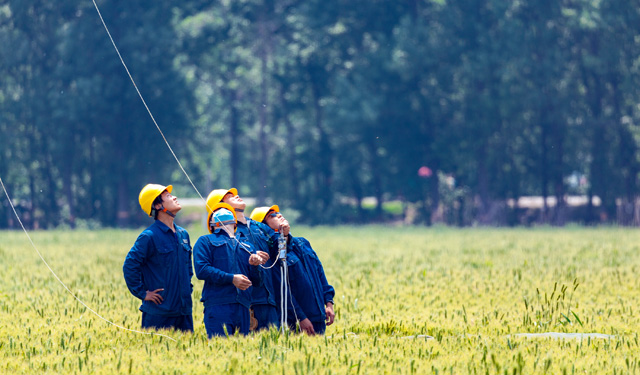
column 217, row 258
column 254, row 233
column 308, row 286
column 161, row 259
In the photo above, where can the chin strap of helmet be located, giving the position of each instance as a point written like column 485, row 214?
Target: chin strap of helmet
column 162, row 209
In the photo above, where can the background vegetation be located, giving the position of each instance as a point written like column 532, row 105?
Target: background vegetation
column 318, row 104
column 472, row 290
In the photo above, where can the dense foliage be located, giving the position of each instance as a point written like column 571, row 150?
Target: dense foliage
column 318, row 104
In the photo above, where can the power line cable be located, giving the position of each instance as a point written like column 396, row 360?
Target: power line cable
column 63, row 284
column 144, row 102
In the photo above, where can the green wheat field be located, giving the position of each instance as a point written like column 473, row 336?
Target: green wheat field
column 408, row 301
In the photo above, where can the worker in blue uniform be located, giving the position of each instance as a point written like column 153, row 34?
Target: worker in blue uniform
column 311, row 299
column 158, row 267
column 263, row 303
column 229, row 269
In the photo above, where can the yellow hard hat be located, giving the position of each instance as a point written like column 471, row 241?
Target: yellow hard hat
column 259, row 213
column 149, row 193
column 216, row 207
column 216, row 197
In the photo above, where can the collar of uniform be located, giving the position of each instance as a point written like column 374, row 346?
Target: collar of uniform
column 242, row 230
column 163, row 226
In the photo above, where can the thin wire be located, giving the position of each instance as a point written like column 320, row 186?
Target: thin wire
column 145, row 103
column 283, row 306
column 158, row 127
column 291, row 299
column 284, row 276
column 275, row 261
column 63, row 284
column 162, row 134
column 244, row 246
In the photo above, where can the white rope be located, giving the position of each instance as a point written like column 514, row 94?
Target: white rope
column 158, row 127
column 244, row 246
column 287, row 290
column 62, row 283
column 290, row 295
column 283, row 307
column 285, row 285
column 285, row 280
column 282, row 253
column 145, row 103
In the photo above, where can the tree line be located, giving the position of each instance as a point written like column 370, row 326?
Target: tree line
column 455, row 110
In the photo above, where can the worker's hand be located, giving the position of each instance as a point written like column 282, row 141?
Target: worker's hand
column 307, row 327
column 241, row 281
column 284, row 227
column 264, row 255
column 154, row 296
column 330, row 314
column 256, row 260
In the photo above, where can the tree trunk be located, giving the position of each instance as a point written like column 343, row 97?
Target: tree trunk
column 292, row 171
column 122, row 210
column 264, row 97
column 324, row 152
column 31, row 221
column 544, row 173
column 52, row 211
column 234, row 132
column 93, row 193
column 598, row 162
column 627, row 152
column 559, row 188
column 435, row 193
column 483, row 182
column 262, row 186
column 67, row 183
column 374, row 164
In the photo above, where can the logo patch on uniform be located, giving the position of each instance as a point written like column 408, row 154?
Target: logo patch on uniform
column 185, row 240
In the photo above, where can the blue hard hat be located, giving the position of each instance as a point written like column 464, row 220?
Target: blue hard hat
column 222, row 217
column 222, row 214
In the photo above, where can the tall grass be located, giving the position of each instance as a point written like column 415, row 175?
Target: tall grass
column 471, row 290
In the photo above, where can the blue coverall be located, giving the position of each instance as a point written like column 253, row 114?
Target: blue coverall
column 217, row 258
column 161, row 259
column 308, row 286
column 263, row 300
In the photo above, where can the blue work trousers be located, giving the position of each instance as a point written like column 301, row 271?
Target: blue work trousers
column 183, row 322
column 232, row 317
column 266, row 315
column 318, row 327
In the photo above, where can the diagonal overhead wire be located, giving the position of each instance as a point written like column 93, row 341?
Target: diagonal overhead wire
column 63, row 284
column 152, row 118
column 143, row 101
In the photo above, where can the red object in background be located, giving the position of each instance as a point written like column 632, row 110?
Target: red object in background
column 425, row 172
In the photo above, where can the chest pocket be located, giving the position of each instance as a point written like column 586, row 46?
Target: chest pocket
column 165, row 256
column 312, row 260
column 222, row 260
column 294, row 266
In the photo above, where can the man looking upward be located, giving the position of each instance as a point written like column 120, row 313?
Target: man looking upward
column 263, row 303
column 158, row 267
column 312, row 302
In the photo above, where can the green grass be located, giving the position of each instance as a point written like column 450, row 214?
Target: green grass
column 472, row 290
column 391, row 207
